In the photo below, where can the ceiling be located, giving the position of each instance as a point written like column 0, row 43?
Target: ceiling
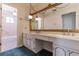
column 26, row 6
column 36, row 6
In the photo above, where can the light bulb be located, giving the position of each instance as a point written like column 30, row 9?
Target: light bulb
column 30, row 17
column 37, row 18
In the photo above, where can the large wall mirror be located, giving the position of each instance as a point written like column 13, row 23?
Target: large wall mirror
column 60, row 20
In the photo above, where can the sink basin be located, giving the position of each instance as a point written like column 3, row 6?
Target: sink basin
column 69, row 36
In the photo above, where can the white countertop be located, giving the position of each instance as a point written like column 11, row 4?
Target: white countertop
column 68, row 37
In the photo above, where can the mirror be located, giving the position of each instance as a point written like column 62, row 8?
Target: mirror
column 61, row 19
column 45, row 21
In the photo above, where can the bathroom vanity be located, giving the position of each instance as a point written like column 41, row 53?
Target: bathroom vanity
column 62, row 45
column 64, row 19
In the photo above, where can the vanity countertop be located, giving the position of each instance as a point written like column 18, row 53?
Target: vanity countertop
column 61, row 36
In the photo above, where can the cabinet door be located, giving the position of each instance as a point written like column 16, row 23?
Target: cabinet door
column 29, row 42
column 59, row 52
column 26, row 41
column 73, row 53
column 32, row 43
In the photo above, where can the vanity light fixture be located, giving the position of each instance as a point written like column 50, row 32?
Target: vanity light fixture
column 30, row 17
column 37, row 18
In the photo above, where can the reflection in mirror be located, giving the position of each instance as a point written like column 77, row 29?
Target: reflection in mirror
column 37, row 22
column 46, row 21
column 69, row 20
column 60, row 19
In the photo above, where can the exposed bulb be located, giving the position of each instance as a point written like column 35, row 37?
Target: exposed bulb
column 37, row 18
column 30, row 17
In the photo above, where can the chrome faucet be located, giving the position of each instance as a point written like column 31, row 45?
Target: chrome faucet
column 68, row 31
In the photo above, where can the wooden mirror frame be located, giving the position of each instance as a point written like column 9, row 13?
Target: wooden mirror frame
column 50, row 30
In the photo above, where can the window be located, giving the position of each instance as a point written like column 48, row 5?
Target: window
column 69, row 20
column 9, row 19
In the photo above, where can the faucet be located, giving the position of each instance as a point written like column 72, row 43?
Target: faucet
column 68, row 31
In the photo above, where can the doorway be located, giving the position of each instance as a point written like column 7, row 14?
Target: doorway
column 9, row 28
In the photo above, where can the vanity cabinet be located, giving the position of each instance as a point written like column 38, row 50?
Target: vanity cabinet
column 59, row 50
column 32, row 43
column 73, row 53
column 29, row 42
column 60, row 47
column 64, row 51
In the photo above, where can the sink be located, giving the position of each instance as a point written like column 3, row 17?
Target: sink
column 69, row 34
